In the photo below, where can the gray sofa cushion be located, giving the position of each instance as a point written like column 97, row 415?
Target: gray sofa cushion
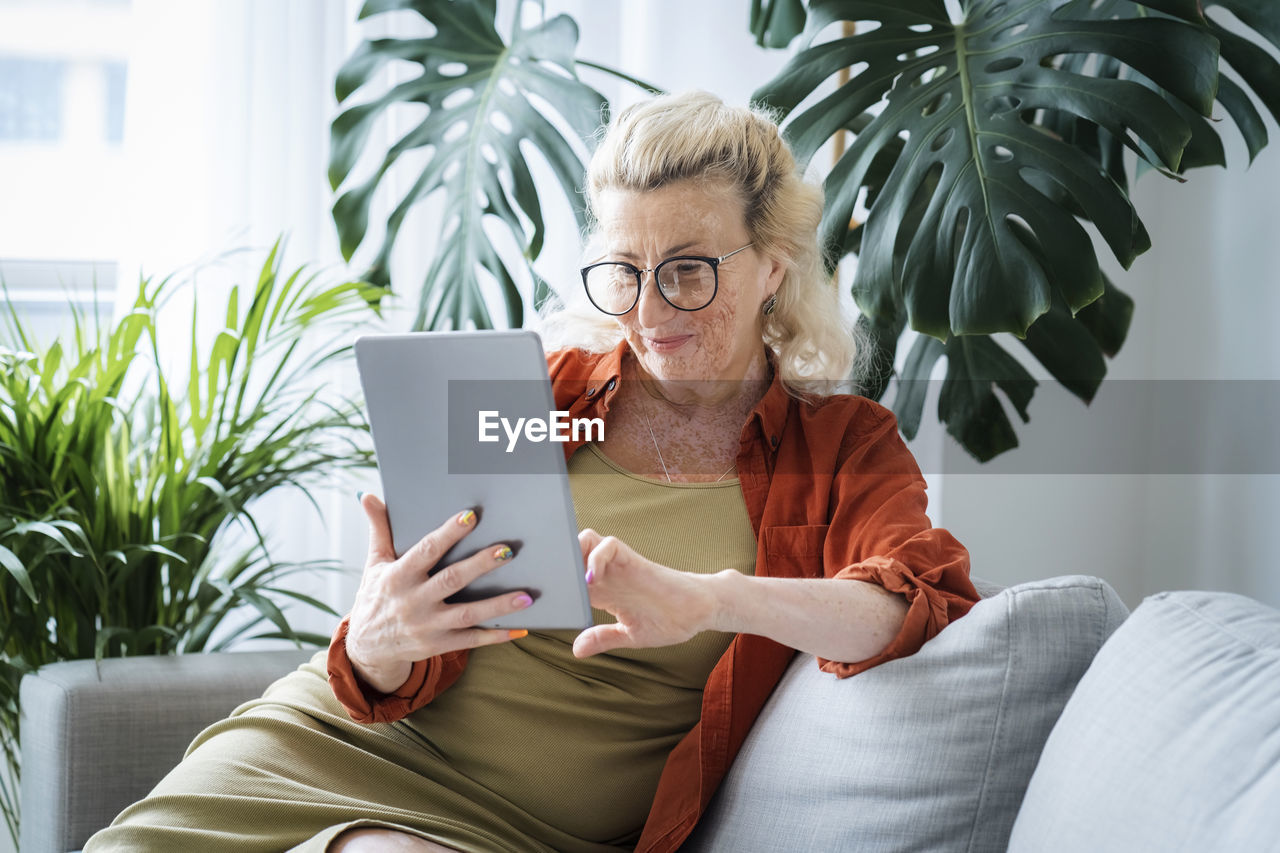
column 97, row 736
column 931, row 752
column 1172, row 741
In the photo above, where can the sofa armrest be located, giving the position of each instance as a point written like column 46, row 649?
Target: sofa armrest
column 99, row 736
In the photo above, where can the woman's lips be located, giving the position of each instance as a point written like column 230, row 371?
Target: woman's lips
column 668, row 344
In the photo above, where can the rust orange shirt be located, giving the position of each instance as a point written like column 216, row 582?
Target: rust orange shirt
column 832, row 491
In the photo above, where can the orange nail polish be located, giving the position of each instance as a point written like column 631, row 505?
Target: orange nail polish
column 466, row 518
column 517, row 633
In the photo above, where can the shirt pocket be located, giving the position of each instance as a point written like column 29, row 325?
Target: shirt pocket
column 794, row 550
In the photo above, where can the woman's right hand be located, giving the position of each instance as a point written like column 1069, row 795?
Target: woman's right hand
column 400, row 615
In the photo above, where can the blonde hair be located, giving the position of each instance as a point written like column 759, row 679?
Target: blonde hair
column 696, row 136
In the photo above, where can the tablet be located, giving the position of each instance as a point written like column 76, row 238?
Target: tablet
column 446, row 412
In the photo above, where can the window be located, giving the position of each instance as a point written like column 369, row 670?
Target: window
column 113, row 78
column 47, row 295
column 31, row 99
column 63, row 75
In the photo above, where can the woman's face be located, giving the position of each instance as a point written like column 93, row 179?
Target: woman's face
column 721, row 341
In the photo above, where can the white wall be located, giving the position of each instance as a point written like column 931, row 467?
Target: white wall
column 1208, row 295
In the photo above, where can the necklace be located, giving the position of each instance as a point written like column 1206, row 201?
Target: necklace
column 649, row 423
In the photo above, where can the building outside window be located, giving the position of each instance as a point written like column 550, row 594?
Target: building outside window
column 63, row 72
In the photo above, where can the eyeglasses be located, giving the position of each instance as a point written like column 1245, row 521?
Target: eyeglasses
column 686, row 282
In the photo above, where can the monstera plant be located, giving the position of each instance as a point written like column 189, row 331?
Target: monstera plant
column 985, row 144
column 982, row 145
column 485, row 99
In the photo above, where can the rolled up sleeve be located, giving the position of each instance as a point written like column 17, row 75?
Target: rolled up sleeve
column 880, row 533
column 427, row 679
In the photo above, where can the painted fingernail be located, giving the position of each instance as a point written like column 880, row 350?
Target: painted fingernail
column 359, row 497
column 517, row 633
column 523, row 601
column 502, row 554
column 466, row 518
column 591, row 575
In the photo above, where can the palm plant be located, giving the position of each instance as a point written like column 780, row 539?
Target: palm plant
column 122, row 481
column 981, row 147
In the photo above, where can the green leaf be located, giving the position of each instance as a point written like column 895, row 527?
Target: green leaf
column 148, row 637
column 1107, row 319
column 983, row 149
column 1066, row 347
column 913, row 387
column 776, row 22
column 1257, row 68
column 19, row 572
column 47, row 530
column 486, row 104
column 307, row 638
column 152, row 548
column 941, row 238
column 265, row 606
column 220, row 493
column 968, row 404
column 1244, row 114
column 104, row 637
column 305, row 599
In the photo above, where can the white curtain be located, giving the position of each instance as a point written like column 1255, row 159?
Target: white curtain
column 226, row 131
column 226, row 142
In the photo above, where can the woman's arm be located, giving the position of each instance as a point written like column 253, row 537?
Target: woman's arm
column 657, row 606
column 892, row 580
column 828, row 618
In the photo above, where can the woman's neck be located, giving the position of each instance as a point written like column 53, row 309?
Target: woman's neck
column 707, row 396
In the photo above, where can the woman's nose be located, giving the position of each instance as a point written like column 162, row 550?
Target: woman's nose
column 653, row 309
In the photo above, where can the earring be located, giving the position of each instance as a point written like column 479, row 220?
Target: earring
column 771, row 304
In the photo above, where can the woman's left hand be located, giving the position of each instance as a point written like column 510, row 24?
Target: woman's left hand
column 654, row 605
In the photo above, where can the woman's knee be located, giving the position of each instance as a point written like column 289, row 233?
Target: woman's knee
column 384, row 841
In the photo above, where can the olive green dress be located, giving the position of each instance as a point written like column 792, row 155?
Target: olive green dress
column 531, row 749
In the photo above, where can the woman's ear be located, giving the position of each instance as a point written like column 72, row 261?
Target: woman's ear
column 777, row 269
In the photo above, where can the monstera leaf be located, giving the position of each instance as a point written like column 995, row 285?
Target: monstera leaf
column 1246, row 57
column 775, row 23
column 983, row 147
column 489, row 106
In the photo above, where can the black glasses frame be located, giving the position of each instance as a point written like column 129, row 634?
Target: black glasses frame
column 639, row 274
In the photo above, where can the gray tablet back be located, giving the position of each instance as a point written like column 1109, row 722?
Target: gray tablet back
column 430, row 397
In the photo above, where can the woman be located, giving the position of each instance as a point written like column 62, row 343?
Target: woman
column 733, row 513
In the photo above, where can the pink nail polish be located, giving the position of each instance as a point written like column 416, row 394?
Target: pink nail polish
column 524, row 601
column 591, row 575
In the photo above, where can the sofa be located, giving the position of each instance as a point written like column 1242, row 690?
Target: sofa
column 1047, row 719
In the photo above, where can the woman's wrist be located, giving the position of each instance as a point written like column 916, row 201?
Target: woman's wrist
column 724, row 589
column 384, row 679
column 384, row 682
